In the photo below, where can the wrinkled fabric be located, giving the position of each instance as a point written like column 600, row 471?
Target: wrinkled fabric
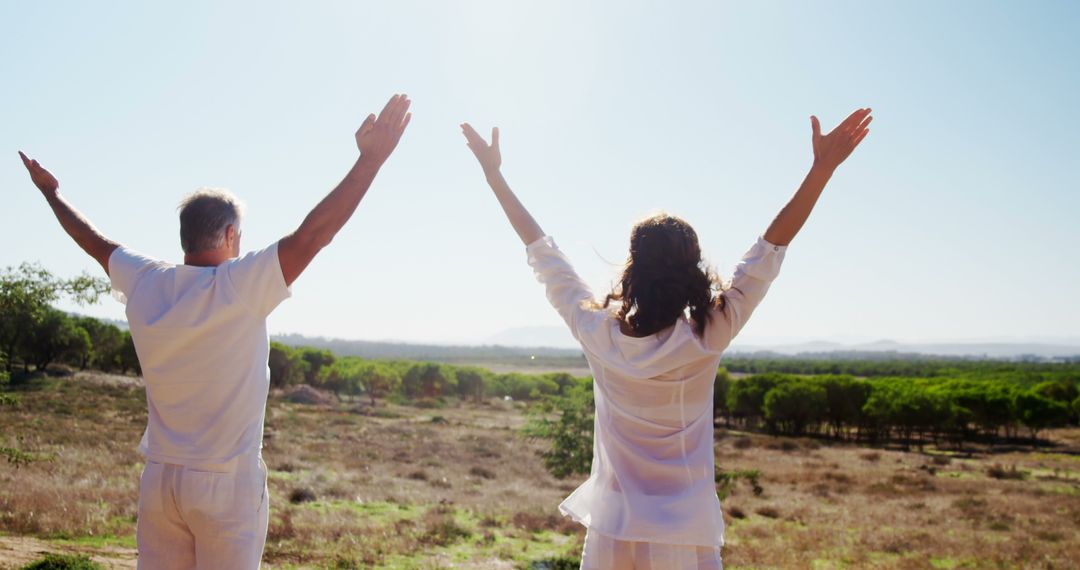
column 605, row 553
column 652, row 477
column 205, row 516
column 200, row 334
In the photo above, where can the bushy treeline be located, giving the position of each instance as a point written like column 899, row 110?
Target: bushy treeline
column 451, row 354
column 407, row 380
column 34, row 333
column 953, row 409
column 1028, row 373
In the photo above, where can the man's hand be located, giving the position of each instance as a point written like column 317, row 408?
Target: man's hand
column 488, row 154
column 832, row 149
column 75, row 224
column 42, row 178
column 377, row 138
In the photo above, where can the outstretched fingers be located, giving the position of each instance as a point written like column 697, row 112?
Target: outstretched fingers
column 862, row 126
column 849, row 123
column 474, row 139
column 32, row 165
column 495, row 137
column 365, row 128
column 385, row 113
column 397, row 115
column 858, row 138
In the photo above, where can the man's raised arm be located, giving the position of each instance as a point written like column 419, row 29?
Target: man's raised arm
column 74, row 223
column 376, row 139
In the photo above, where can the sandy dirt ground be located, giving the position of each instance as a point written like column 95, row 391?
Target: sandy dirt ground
column 17, row 551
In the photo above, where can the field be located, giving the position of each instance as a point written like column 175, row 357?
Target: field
column 457, row 487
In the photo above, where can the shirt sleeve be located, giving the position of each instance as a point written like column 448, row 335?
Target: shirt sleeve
column 125, row 269
column 753, row 276
column 257, row 279
column 565, row 289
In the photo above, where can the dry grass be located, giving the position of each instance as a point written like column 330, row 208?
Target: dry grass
column 846, row 507
column 391, row 488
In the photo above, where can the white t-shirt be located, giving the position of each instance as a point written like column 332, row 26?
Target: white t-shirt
column 652, row 472
column 200, row 334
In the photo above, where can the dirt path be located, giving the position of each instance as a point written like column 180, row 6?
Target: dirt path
column 17, row 551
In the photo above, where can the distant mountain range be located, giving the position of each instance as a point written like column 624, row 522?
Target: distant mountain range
column 560, row 337
column 550, row 344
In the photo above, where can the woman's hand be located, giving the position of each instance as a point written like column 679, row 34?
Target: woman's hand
column 488, row 154
column 832, row 149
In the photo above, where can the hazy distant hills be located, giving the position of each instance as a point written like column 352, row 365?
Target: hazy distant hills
column 554, row 345
column 560, row 337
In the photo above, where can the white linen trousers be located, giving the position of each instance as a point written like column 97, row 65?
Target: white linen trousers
column 205, row 516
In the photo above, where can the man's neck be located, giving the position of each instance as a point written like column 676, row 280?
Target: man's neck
column 212, row 258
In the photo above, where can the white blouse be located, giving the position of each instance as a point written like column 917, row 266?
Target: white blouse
column 652, row 473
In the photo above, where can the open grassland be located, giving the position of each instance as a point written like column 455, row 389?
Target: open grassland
column 398, row 487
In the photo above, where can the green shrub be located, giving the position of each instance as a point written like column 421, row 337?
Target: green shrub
column 63, row 562
column 571, row 436
column 726, row 480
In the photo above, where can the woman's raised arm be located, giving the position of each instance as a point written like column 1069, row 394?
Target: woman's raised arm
column 490, row 160
column 829, row 151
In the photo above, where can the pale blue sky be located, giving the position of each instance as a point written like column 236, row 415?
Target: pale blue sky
column 954, row 221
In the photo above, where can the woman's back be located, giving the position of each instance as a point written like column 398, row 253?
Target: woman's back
column 650, row 498
column 652, row 474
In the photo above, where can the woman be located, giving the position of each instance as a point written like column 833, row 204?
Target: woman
column 653, row 346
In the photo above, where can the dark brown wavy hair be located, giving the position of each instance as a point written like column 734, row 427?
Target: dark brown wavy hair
column 664, row 276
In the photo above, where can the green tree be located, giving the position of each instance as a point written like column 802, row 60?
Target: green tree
column 26, row 293
column 378, row 380
column 721, row 387
column 13, row 455
column 793, row 405
column 746, row 397
column 1038, row 413
column 1057, row 390
column 427, row 380
column 106, row 342
column 128, row 358
column 287, row 367
column 844, row 400
column 571, row 434
column 566, row 382
column 54, row 336
column 472, row 382
column 316, row 359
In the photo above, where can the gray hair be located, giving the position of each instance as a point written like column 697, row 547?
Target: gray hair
column 204, row 215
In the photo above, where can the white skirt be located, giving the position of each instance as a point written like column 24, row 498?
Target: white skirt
column 602, row 552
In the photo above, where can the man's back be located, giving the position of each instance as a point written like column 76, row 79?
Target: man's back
column 200, row 333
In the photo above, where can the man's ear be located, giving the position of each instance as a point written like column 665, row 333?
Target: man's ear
column 231, row 236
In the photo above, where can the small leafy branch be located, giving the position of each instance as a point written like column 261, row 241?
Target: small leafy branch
column 726, row 480
column 13, row 455
column 571, row 434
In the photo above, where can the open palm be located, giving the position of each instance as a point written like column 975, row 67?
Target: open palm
column 378, row 137
column 488, row 154
column 832, row 149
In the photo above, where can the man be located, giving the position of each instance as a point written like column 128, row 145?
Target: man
column 200, row 333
